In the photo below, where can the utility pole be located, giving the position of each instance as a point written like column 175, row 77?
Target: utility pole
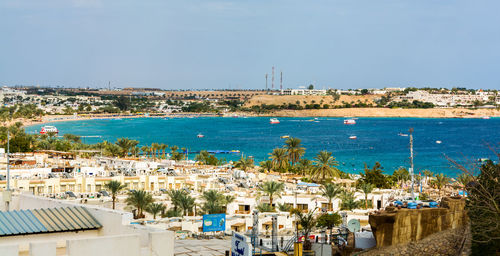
column 411, row 165
column 7, row 194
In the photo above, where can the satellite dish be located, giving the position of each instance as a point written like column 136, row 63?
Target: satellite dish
column 354, row 225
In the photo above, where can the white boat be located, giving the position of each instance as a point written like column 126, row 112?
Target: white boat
column 274, row 121
column 438, row 141
column 200, row 135
column 49, row 129
column 403, row 134
column 353, row 137
column 349, row 121
column 485, row 117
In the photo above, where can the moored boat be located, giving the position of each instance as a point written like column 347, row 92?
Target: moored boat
column 274, row 121
column 200, row 135
column 49, row 129
column 349, row 121
column 353, row 137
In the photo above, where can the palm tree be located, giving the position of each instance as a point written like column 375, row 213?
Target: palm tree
column 163, row 148
column 140, row 199
column 266, row 166
column 244, row 163
column 214, row 201
column 304, row 166
column 330, row 191
column 294, row 150
column 284, row 207
column 441, row 181
column 324, row 166
column 263, row 207
column 187, row 203
column 155, row 208
column 307, row 222
column 464, row 179
column 145, row 150
column 155, row 147
column 125, row 145
column 114, row 187
column 348, row 200
column 401, row 175
column 366, row 188
column 272, row 188
column 280, row 159
column 176, row 196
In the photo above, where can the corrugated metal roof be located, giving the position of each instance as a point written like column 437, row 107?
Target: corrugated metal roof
column 36, row 221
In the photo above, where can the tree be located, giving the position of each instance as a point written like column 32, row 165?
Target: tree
column 348, row 201
column 464, row 179
column 272, row 188
column 266, row 166
column 284, row 207
column 366, row 188
column 145, row 151
column 155, row 208
column 330, row 191
column 400, row 176
column 279, row 159
column 214, row 201
column 176, row 197
column 122, row 103
column 244, row 163
column 263, row 207
column 294, row 150
column 307, row 223
column 304, row 166
column 329, row 221
column 114, row 187
column 324, row 167
column 441, row 181
column 310, row 87
column 140, row 199
column 375, row 176
column 186, row 203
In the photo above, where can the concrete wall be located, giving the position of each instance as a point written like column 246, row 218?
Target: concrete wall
column 42, row 249
column 9, row 250
column 402, row 226
column 23, row 242
column 124, row 245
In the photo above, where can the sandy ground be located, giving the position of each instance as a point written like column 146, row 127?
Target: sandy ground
column 312, row 99
column 387, row 112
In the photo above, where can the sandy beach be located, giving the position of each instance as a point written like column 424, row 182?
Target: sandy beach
column 388, row 112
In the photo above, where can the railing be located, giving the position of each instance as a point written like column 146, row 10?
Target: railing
column 288, row 246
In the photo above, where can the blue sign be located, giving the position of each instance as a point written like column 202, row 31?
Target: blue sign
column 214, row 222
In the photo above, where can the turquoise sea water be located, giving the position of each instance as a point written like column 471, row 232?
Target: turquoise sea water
column 377, row 138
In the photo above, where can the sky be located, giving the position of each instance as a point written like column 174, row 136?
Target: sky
column 232, row 44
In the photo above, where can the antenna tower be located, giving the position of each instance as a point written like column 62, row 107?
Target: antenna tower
column 272, row 80
column 281, row 80
column 266, row 81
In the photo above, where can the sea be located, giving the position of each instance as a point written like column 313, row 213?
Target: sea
column 435, row 141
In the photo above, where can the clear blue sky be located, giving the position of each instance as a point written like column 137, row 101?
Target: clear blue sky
column 232, row 44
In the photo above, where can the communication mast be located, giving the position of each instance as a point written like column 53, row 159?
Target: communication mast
column 272, row 79
column 266, row 81
column 281, row 80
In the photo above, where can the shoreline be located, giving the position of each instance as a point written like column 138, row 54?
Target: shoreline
column 311, row 113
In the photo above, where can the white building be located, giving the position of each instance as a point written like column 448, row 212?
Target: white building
column 303, row 92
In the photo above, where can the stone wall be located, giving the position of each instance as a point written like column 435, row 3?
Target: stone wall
column 452, row 242
column 402, row 226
